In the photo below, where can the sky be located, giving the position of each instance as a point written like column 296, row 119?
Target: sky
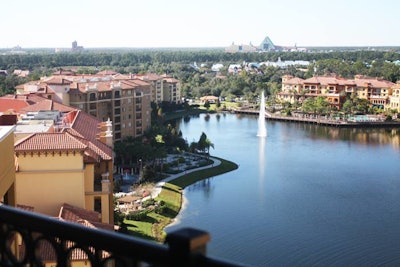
column 205, row 23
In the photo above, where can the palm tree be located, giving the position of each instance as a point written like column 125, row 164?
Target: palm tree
column 208, row 144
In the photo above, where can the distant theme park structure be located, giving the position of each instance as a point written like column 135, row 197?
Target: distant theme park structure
column 266, row 46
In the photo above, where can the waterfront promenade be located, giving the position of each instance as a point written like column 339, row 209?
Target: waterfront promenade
column 375, row 122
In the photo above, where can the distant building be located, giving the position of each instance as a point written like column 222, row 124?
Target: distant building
column 242, row 48
column 21, row 73
column 75, row 47
column 335, row 89
column 266, row 46
column 164, row 88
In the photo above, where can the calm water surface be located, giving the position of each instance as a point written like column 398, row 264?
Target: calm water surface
column 303, row 196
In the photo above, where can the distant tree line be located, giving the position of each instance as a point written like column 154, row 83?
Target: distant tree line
column 199, row 82
column 126, row 59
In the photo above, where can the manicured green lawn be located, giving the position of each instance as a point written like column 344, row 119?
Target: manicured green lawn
column 171, row 195
column 152, row 227
column 190, row 178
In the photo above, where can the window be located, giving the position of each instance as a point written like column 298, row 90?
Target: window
column 97, row 204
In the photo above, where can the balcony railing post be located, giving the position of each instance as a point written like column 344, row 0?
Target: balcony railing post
column 185, row 243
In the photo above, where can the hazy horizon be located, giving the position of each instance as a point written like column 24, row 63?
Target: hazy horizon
column 181, row 23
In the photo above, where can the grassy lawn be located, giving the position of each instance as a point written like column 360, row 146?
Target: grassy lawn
column 152, row 227
column 190, row 178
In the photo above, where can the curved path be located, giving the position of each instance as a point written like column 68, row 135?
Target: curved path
column 160, row 184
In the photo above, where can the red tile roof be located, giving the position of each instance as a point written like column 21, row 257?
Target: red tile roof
column 58, row 81
column 148, row 76
column 47, row 104
column 294, row 80
column 49, row 142
column 87, row 126
column 15, row 105
column 359, row 81
column 107, row 72
column 73, row 214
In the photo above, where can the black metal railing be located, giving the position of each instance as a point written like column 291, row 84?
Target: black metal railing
column 31, row 239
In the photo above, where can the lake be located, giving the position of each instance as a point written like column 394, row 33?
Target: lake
column 305, row 195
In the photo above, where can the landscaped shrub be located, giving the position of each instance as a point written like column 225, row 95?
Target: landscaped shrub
column 140, row 215
column 148, row 203
column 160, row 209
column 118, row 217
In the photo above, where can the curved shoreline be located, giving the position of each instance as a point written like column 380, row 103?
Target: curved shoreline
column 180, row 179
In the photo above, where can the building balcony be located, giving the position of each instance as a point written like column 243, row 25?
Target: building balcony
column 32, row 239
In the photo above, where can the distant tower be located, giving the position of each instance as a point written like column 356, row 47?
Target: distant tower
column 74, row 45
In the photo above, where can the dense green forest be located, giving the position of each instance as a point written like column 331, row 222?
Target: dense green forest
column 196, row 83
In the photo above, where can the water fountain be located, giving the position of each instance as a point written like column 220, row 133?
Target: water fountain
column 262, row 130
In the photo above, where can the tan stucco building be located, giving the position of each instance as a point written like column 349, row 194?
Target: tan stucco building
column 71, row 165
column 335, row 89
column 7, row 166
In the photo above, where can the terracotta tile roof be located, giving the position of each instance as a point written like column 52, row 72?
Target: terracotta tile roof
column 86, row 217
column 171, row 80
column 99, row 86
column 325, row 80
column 107, row 72
column 87, row 127
column 58, row 81
column 373, row 82
column 49, row 142
column 64, row 72
column 295, row 80
column 148, row 76
column 47, row 104
column 359, row 81
column 72, row 214
column 75, row 214
column 12, row 104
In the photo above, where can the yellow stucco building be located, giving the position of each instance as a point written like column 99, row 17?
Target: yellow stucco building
column 7, row 166
column 71, row 165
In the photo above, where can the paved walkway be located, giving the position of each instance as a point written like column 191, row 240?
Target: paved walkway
column 157, row 189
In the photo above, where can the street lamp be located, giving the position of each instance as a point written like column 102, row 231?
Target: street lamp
column 140, row 170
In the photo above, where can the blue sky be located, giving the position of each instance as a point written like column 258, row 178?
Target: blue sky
column 205, row 23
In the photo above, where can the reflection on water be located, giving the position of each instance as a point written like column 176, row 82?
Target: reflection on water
column 204, row 186
column 261, row 162
column 304, row 196
column 367, row 136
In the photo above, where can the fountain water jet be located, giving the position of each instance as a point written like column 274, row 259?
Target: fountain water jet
column 262, row 130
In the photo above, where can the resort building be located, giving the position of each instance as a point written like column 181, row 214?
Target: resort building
column 394, row 99
column 7, row 166
column 124, row 99
column 71, row 163
column 335, row 89
column 170, row 89
column 242, row 48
